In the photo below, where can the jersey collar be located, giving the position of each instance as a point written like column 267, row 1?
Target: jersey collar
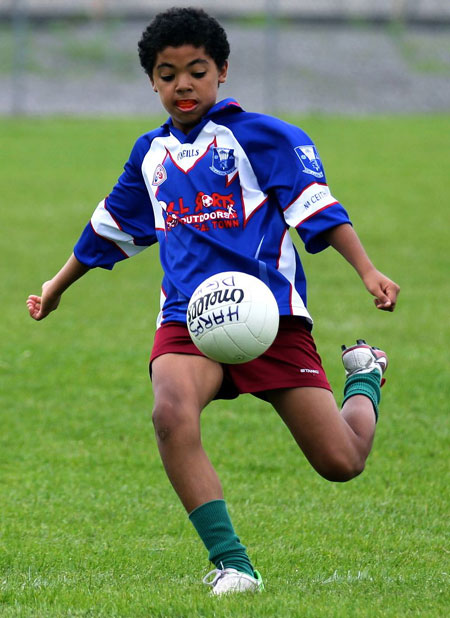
column 227, row 106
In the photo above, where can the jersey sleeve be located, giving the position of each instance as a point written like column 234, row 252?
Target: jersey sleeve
column 122, row 224
column 287, row 164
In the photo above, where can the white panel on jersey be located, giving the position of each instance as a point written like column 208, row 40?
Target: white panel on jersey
column 152, row 162
column 252, row 195
column 105, row 226
column 287, row 267
column 162, row 300
column 313, row 198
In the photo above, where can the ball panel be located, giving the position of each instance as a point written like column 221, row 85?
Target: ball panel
column 261, row 322
column 228, row 348
column 238, row 335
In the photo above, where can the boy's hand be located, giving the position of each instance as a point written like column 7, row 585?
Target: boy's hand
column 40, row 306
column 384, row 290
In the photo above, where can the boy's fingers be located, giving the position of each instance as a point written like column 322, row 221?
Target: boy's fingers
column 392, row 290
column 383, row 296
column 386, row 296
column 34, row 306
column 385, row 306
column 385, row 302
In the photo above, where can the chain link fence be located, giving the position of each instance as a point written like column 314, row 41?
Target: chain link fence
column 288, row 56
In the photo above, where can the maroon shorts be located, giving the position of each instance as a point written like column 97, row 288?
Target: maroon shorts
column 292, row 360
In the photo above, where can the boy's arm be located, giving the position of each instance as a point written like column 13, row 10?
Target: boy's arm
column 344, row 239
column 40, row 306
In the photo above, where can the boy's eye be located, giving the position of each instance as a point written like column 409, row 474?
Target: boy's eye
column 199, row 74
column 167, row 78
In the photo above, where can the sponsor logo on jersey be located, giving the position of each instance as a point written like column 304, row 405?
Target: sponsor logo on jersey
column 188, row 152
column 223, row 161
column 216, row 201
column 315, row 371
column 159, row 175
column 171, row 222
column 220, row 212
column 310, row 160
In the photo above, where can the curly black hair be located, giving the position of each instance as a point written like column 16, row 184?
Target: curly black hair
column 183, row 26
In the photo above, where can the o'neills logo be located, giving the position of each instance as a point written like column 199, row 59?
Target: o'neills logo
column 214, row 299
column 189, row 152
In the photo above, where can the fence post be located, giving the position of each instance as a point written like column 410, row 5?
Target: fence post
column 19, row 18
column 271, row 68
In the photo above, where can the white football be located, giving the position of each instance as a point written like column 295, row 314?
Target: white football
column 232, row 317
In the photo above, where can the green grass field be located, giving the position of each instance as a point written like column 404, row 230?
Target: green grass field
column 90, row 527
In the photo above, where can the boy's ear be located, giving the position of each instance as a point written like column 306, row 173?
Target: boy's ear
column 223, row 73
column 153, row 84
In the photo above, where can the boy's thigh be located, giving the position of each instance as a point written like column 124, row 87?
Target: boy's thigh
column 291, row 361
column 186, row 379
column 313, row 418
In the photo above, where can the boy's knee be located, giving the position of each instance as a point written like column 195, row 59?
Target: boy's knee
column 340, row 469
column 170, row 419
column 164, row 419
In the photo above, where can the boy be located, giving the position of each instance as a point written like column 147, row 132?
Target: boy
column 218, row 188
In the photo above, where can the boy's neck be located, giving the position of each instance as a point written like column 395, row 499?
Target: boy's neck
column 194, row 130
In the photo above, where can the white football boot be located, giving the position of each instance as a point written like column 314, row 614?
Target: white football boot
column 363, row 358
column 228, row 581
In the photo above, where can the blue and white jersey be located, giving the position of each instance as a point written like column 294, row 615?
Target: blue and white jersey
column 221, row 198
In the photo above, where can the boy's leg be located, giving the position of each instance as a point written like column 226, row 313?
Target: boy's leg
column 336, row 443
column 183, row 385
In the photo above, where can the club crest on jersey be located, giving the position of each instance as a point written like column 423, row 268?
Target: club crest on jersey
column 159, row 176
column 223, row 161
column 310, row 160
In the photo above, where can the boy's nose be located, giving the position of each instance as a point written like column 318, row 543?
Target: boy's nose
column 184, row 83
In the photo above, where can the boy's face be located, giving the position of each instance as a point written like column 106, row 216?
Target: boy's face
column 187, row 80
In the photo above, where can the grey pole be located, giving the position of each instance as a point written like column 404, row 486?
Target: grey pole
column 272, row 66
column 19, row 31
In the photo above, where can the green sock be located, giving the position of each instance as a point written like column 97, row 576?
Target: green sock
column 213, row 524
column 367, row 384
